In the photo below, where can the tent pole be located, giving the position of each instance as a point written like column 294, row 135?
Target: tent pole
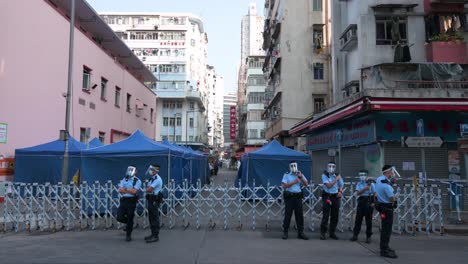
column 169, row 167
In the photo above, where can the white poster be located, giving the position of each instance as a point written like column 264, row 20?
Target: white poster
column 409, row 166
column 3, row 133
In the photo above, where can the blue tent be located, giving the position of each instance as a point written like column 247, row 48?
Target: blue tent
column 43, row 163
column 110, row 162
column 95, row 143
column 269, row 163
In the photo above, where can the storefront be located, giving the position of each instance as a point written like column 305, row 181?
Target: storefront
column 416, row 137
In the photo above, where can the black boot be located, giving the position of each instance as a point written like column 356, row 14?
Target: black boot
column 285, row 235
column 388, row 254
column 301, row 235
column 333, row 236
column 354, row 238
column 148, row 237
column 322, row 236
column 368, row 240
column 128, row 237
column 154, row 238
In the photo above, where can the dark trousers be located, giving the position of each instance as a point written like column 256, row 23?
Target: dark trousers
column 153, row 215
column 292, row 203
column 364, row 209
column 330, row 210
column 128, row 205
column 387, row 223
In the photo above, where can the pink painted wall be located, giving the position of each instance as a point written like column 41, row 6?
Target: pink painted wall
column 33, row 77
column 439, row 51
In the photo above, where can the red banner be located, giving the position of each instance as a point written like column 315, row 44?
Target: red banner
column 232, row 122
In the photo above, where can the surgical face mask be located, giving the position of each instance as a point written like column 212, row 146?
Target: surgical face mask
column 331, row 168
column 131, row 171
column 362, row 176
column 293, row 167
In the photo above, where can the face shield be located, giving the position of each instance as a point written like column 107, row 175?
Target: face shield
column 331, row 168
column 152, row 170
column 293, row 167
column 131, row 171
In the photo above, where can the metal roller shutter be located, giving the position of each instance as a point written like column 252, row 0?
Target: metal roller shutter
column 352, row 162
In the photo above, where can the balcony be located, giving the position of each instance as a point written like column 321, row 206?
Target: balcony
column 349, row 39
column 444, row 6
column 446, row 52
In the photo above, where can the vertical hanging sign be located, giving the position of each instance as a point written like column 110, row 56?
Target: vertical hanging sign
column 232, row 123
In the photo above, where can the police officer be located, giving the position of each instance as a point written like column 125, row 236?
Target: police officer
column 154, row 198
column 331, row 198
column 129, row 187
column 292, row 194
column 365, row 189
column 386, row 202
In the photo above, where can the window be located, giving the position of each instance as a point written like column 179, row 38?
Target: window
column 256, row 98
column 191, row 138
column 178, row 138
column 102, row 136
column 164, row 138
column 103, row 88
column 129, row 99
column 253, row 133
column 191, row 122
column 319, row 105
column 178, row 121
column 262, row 133
column 179, row 104
column 171, row 121
column 171, row 138
column 254, row 115
column 192, row 42
column 257, row 80
column 165, row 121
column 152, row 115
column 318, row 71
column 384, row 25
column 83, row 135
column 318, row 38
column 86, row 78
column 165, row 104
column 117, row 97
column 192, row 105
column 317, row 5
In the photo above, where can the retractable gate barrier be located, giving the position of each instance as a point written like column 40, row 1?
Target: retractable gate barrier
column 30, row 207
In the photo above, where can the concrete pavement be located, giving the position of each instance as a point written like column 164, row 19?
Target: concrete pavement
column 219, row 246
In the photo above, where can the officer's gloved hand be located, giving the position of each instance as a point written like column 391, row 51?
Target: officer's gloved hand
column 395, row 204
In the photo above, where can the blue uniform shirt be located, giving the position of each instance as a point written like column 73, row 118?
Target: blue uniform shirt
column 362, row 185
column 288, row 178
column 128, row 183
column 384, row 190
column 156, row 183
column 334, row 188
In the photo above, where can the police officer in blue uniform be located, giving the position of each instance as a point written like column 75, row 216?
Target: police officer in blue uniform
column 292, row 194
column 154, row 199
column 331, row 199
column 365, row 189
column 386, row 202
column 128, row 188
